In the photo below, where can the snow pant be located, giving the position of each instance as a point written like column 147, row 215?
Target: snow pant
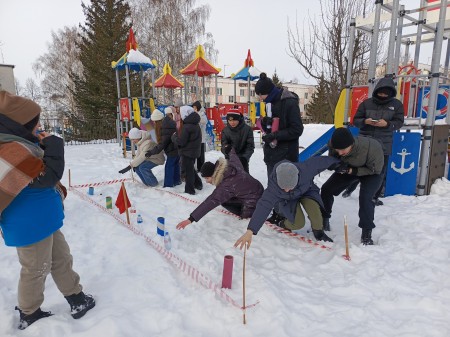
column 244, row 163
column 201, row 159
column 193, row 181
column 234, row 206
column 312, row 208
column 172, row 171
column 339, row 182
column 144, row 171
column 51, row 255
column 269, row 167
column 353, row 185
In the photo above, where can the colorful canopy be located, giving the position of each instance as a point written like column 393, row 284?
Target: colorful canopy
column 199, row 66
column 167, row 80
column 133, row 58
column 248, row 71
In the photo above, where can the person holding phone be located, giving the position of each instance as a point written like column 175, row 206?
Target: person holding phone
column 379, row 117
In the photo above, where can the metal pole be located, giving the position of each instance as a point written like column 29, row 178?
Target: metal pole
column 186, row 88
column 217, row 94
column 119, row 112
column 153, row 83
column 406, row 56
column 447, row 58
column 142, row 84
column 374, row 46
column 127, row 71
column 434, row 87
column 419, row 33
column 235, row 97
column 391, row 47
column 398, row 41
column 348, row 81
column 203, row 90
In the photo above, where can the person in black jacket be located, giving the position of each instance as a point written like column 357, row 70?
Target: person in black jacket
column 239, row 136
column 189, row 143
column 165, row 127
column 282, row 104
column 379, row 117
column 236, row 190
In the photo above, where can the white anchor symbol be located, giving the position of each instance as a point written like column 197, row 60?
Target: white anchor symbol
column 402, row 168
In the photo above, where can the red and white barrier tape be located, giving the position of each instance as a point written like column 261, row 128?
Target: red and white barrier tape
column 103, row 183
column 194, row 273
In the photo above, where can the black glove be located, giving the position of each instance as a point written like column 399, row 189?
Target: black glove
column 148, row 154
column 267, row 138
column 265, row 121
column 126, row 169
column 226, row 150
column 342, row 168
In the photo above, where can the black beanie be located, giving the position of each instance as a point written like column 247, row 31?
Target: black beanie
column 31, row 124
column 341, row 139
column 207, row 169
column 264, row 85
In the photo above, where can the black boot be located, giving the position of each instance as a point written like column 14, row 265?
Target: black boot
column 366, row 237
column 320, row 235
column 80, row 304
column 326, row 224
column 275, row 218
column 27, row 320
column 282, row 224
column 377, row 202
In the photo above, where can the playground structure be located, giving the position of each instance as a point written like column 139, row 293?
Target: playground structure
column 424, row 95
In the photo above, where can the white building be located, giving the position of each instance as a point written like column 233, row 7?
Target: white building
column 7, row 78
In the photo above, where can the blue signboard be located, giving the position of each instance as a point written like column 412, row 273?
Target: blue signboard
column 441, row 105
column 403, row 164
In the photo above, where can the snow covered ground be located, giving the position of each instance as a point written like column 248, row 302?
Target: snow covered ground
column 398, row 287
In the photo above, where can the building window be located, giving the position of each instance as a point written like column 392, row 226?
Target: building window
column 242, row 92
column 207, row 91
column 219, row 91
column 193, row 89
column 306, row 95
column 230, row 99
column 252, row 93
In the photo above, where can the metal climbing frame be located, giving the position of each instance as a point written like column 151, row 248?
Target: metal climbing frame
column 431, row 27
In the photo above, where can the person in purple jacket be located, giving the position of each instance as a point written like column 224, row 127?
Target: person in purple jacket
column 236, row 190
column 291, row 187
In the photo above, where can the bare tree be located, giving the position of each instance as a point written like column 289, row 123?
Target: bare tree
column 170, row 30
column 322, row 49
column 55, row 66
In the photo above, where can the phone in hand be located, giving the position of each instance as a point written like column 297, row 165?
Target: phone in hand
column 375, row 120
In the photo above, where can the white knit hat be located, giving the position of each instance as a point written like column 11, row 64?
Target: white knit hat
column 135, row 133
column 185, row 111
column 168, row 110
column 156, row 115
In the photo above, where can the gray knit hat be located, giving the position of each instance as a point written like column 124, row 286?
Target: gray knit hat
column 287, row 176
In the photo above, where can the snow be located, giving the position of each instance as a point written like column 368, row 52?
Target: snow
column 135, row 56
column 398, row 287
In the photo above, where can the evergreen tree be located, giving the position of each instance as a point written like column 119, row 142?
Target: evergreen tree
column 318, row 108
column 276, row 80
column 102, row 40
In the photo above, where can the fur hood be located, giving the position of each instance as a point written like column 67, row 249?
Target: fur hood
column 219, row 171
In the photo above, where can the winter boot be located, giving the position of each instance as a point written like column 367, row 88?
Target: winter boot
column 366, row 237
column 282, row 224
column 80, row 304
column 326, row 224
column 377, row 202
column 346, row 193
column 275, row 218
column 27, row 320
column 321, row 236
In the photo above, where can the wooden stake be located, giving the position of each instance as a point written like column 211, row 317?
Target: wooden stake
column 243, row 284
column 125, row 202
column 70, row 179
column 124, row 145
column 347, row 250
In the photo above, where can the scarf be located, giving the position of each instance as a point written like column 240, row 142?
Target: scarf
column 20, row 162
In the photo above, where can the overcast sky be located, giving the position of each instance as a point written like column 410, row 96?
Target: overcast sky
column 236, row 25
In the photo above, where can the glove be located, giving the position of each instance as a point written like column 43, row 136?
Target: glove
column 267, row 138
column 226, row 150
column 148, row 154
column 342, row 168
column 266, row 121
column 126, row 169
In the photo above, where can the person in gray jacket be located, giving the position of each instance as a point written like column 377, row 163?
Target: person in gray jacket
column 379, row 117
column 290, row 187
column 362, row 160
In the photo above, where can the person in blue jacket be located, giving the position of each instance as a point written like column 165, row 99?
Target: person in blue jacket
column 31, row 209
column 290, row 187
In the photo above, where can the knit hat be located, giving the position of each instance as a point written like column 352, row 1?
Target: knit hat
column 234, row 115
column 185, row 111
column 135, row 133
column 264, row 85
column 287, row 176
column 168, row 110
column 178, row 103
column 207, row 169
column 341, row 139
column 20, row 109
column 156, row 115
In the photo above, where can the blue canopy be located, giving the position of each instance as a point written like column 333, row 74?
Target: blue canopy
column 135, row 60
column 247, row 72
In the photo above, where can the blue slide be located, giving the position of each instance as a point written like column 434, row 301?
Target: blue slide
column 320, row 145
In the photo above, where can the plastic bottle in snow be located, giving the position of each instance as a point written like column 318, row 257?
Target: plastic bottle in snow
column 139, row 219
column 167, row 241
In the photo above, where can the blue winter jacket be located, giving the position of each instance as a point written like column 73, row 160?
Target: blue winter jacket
column 37, row 211
column 286, row 202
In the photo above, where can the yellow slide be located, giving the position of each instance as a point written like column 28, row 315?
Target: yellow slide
column 339, row 111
